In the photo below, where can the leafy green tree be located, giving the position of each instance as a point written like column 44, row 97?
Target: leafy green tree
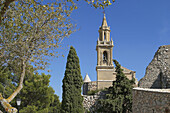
column 72, row 82
column 29, row 109
column 36, row 91
column 6, row 86
column 4, row 4
column 32, row 30
column 37, row 96
column 119, row 98
column 55, row 106
column 7, row 83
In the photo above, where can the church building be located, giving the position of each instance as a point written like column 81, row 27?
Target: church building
column 105, row 70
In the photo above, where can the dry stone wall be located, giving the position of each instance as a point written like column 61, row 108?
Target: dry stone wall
column 90, row 101
column 151, row 100
column 158, row 71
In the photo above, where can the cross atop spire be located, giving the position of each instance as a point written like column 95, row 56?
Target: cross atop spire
column 104, row 12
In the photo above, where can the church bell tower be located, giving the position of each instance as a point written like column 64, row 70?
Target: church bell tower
column 104, row 50
column 105, row 70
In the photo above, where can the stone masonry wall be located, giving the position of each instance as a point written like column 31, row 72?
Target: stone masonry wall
column 158, row 71
column 92, row 86
column 151, row 100
column 91, row 100
column 89, row 86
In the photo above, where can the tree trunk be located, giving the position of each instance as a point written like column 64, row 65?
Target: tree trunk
column 5, row 102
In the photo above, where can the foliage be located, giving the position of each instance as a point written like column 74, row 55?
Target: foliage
column 119, row 99
column 55, row 106
column 37, row 87
column 5, row 81
column 36, row 96
column 72, row 82
column 6, row 86
column 29, row 109
column 33, row 109
column 99, row 3
column 92, row 92
column 36, row 92
column 4, row 4
column 32, row 30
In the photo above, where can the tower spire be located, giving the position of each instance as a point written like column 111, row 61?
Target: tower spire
column 104, row 23
column 104, row 30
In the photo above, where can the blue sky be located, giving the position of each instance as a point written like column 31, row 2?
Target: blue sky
column 138, row 28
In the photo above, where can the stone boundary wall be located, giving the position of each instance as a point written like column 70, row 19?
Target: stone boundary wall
column 90, row 101
column 151, row 100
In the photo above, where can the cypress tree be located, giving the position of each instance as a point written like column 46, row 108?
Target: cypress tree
column 72, row 82
column 122, row 89
column 119, row 98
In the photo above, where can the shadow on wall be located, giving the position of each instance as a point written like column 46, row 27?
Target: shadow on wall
column 160, row 82
column 157, row 84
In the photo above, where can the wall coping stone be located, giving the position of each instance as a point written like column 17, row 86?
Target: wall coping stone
column 152, row 90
